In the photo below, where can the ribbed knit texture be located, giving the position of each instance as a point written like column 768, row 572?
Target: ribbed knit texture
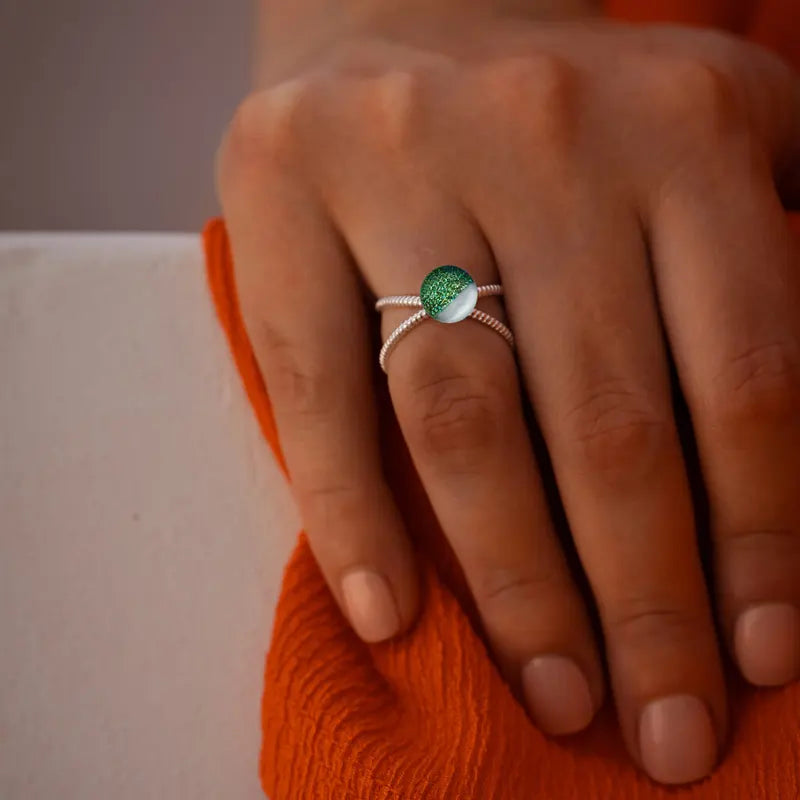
column 428, row 717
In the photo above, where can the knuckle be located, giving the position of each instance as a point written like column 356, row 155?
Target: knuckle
column 783, row 542
column 542, row 74
column 328, row 501
column 300, row 387
column 240, row 140
column 265, row 126
column 643, row 623
column 453, row 420
column 616, row 433
column 698, row 96
column 536, row 96
column 760, row 385
column 401, row 98
column 726, row 49
column 505, row 585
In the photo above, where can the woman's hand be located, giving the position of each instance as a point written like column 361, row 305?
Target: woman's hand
column 621, row 183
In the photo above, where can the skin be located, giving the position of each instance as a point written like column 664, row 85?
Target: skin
column 627, row 186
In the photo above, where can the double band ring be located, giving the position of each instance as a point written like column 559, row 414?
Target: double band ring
column 448, row 294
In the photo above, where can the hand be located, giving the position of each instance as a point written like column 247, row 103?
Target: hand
column 621, row 183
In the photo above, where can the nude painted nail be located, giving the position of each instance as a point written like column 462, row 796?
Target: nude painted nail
column 767, row 644
column 677, row 739
column 557, row 694
column 370, row 605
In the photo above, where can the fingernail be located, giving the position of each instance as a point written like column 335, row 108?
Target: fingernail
column 370, row 605
column 767, row 643
column 558, row 694
column 677, row 740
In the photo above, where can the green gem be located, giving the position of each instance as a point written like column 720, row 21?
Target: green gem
column 441, row 286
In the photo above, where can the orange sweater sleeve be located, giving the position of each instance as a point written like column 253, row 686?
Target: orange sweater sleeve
column 428, row 717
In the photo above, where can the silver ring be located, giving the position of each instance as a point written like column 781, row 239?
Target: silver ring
column 448, row 294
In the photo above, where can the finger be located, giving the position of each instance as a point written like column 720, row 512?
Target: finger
column 708, row 72
column 456, row 395
column 581, row 304
column 457, row 398
column 593, row 359
column 729, row 279
column 301, row 303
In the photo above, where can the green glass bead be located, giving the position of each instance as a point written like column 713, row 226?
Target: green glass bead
column 448, row 294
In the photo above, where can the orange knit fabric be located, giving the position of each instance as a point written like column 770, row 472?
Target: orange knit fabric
column 427, row 717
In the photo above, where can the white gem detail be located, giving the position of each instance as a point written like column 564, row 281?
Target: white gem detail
column 460, row 306
column 413, row 301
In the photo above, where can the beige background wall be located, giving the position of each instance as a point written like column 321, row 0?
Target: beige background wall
column 143, row 528
column 110, row 112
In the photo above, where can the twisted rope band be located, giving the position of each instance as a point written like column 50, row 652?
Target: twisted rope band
column 413, row 301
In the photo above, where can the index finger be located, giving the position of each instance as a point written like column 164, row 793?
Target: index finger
column 301, row 303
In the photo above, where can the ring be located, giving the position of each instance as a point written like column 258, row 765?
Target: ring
column 448, row 294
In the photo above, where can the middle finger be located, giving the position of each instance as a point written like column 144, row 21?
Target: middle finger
column 456, row 393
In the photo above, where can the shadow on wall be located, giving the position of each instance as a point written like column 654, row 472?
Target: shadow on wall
column 111, row 112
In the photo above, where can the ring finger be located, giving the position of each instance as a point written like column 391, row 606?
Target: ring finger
column 456, row 393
